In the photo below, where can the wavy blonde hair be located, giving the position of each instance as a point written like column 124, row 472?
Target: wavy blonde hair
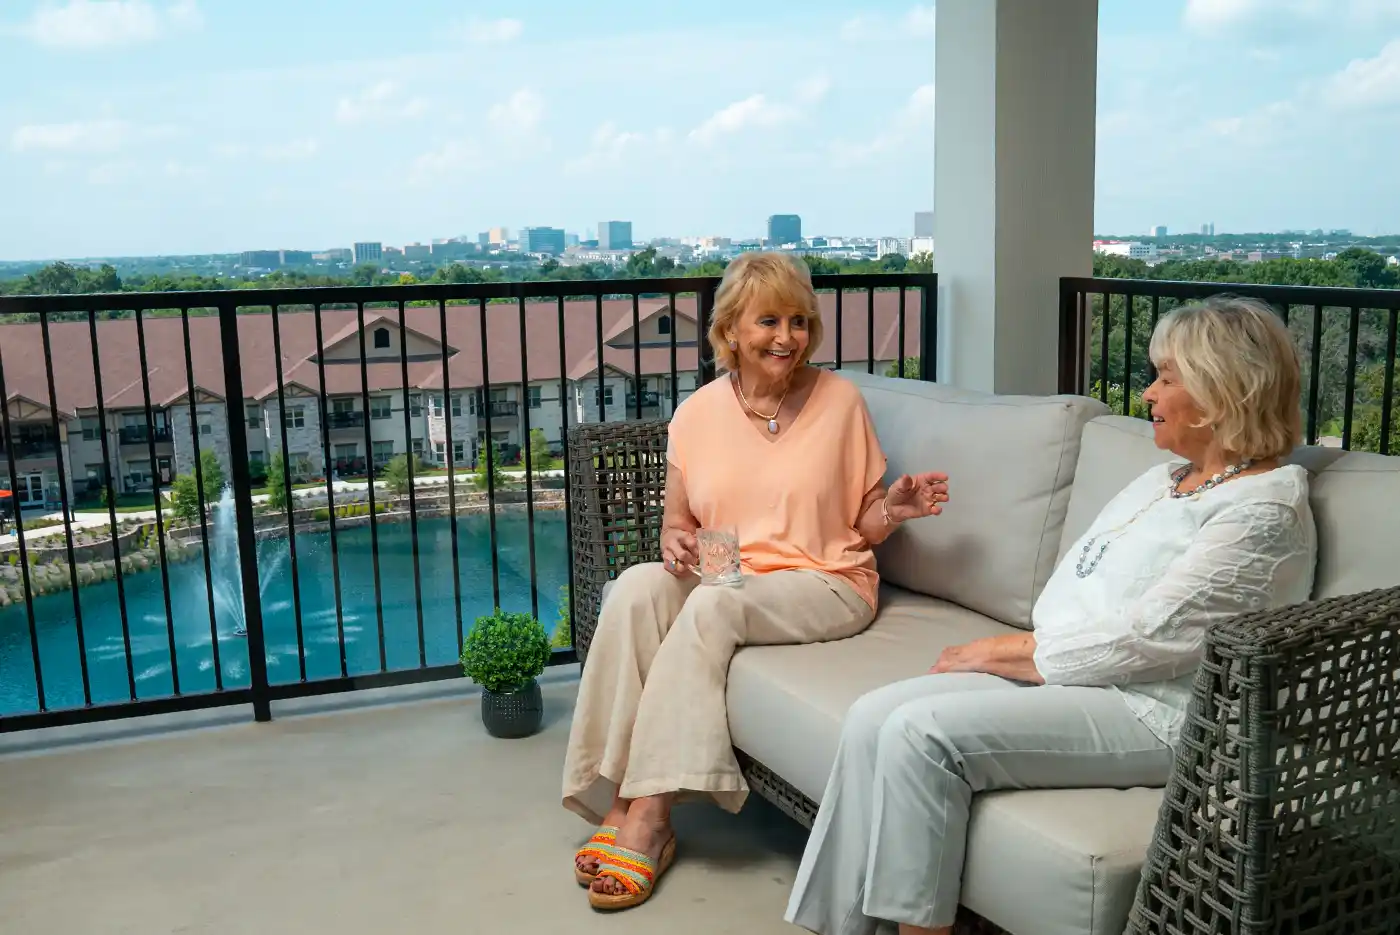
column 1238, row 362
column 783, row 280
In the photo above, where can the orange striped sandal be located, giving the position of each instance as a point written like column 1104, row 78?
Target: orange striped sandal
column 636, row 872
column 596, row 846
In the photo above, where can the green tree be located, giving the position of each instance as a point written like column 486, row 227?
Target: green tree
column 396, row 474
column 277, row 480
column 212, row 474
column 539, row 452
column 184, row 498
column 911, row 369
column 487, row 469
column 562, row 638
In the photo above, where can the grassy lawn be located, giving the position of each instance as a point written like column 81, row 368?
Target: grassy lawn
column 126, row 503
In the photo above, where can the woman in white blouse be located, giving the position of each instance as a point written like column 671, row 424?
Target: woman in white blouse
column 1095, row 696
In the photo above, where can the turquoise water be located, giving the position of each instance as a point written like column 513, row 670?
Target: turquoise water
column 194, row 658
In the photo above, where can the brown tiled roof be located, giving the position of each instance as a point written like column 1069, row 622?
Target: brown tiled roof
column 21, row 349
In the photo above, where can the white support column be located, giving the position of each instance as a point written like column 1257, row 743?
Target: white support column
column 1013, row 182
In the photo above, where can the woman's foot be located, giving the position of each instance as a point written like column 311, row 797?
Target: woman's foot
column 587, row 864
column 646, row 829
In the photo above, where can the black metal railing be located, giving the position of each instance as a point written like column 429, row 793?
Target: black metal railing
column 345, row 420
column 1346, row 339
column 334, row 587
column 140, row 435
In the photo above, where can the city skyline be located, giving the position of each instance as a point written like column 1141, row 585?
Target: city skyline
column 425, row 124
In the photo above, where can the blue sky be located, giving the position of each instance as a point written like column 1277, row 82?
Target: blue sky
column 182, row 126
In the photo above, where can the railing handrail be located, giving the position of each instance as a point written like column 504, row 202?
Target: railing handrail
column 417, row 292
column 1326, row 296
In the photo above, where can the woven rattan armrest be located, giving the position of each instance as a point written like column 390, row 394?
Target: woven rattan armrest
column 617, row 492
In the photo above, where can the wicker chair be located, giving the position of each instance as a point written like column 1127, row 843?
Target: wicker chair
column 1292, row 738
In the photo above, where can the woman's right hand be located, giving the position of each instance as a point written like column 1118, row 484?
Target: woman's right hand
column 679, row 551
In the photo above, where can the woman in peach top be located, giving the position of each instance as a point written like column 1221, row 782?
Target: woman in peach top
column 787, row 455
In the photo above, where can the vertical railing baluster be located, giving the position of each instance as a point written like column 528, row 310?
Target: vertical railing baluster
column 323, row 405
column 675, row 377
column 60, row 446
column 1388, row 383
column 204, row 506
column 840, row 330
column 1315, row 374
column 1353, row 326
column 288, row 492
column 899, row 365
column 637, row 354
column 491, row 454
column 704, row 315
column 528, row 457
column 449, row 450
column 371, row 470
column 113, row 528
column 564, row 404
column 928, row 331
column 155, row 489
column 243, row 507
column 598, row 349
column 1103, row 352
column 9, row 441
column 412, row 486
column 1127, row 353
column 869, row 329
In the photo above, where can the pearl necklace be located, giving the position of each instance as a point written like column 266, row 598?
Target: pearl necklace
column 1085, row 566
column 773, row 419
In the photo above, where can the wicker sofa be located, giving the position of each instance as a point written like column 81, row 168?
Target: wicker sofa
column 1029, row 474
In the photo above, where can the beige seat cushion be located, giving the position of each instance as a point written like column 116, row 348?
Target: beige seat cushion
column 1351, row 493
column 1010, row 462
column 1041, row 862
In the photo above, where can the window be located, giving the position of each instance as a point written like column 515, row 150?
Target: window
column 380, row 407
column 533, row 395
column 383, row 453
column 381, row 337
column 254, row 417
column 293, row 417
column 206, row 427
column 299, row 464
column 457, row 405
column 439, row 450
column 418, row 447
column 437, row 407
column 607, row 395
column 341, row 404
column 415, row 404
column 459, row 452
column 92, row 429
column 256, row 459
column 663, row 324
column 346, row 452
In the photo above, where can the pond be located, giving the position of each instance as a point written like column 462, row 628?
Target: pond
column 359, row 612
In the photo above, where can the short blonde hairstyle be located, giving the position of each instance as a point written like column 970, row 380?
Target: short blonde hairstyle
column 1238, row 362
column 781, row 279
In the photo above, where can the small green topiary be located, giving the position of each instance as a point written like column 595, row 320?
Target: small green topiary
column 504, row 651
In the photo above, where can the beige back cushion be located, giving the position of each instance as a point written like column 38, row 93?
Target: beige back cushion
column 1010, row 462
column 1352, row 495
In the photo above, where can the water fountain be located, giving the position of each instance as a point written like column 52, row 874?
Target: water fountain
column 227, row 571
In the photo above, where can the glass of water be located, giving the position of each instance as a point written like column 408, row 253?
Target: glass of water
column 719, row 556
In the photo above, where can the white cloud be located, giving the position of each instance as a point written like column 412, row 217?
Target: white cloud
column 915, row 117
column 521, row 113
column 1262, row 19
column 290, row 151
column 753, row 111
column 453, row 156
column 861, row 27
column 813, row 90
column 1368, row 82
column 918, row 22
column 85, row 25
column 379, row 102
column 610, row 146
column 492, row 31
column 106, row 135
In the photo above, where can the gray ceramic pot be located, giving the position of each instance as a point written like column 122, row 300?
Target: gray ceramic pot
column 516, row 713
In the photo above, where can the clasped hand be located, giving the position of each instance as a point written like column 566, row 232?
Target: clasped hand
column 917, row 495
column 679, row 551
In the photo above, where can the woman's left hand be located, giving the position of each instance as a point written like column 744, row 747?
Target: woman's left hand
column 965, row 658
column 915, row 496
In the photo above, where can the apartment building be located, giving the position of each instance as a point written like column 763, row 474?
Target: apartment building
column 343, row 405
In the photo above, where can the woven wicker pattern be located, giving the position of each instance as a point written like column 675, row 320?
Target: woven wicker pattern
column 1283, row 812
column 617, row 488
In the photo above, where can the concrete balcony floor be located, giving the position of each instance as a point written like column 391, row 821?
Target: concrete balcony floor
column 398, row 816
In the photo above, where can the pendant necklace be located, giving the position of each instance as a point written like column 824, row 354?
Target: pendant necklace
column 773, row 419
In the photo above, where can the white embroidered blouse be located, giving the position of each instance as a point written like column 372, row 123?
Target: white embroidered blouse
column 1137, row 621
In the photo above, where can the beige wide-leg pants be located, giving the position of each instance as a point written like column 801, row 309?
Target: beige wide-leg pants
column 651, row 715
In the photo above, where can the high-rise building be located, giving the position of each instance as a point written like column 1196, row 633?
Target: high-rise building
column 1159, row 231
column 784, row 229
column 614, row 235
column 369, row 252
column 542, row 240
column 498, row 236
column 923, row 223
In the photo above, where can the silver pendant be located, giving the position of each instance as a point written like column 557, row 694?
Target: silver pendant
column 773, row 426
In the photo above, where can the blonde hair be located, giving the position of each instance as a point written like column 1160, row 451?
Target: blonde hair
column 783, row 280
column 1238, row 362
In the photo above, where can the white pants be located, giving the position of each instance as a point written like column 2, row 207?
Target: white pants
column 889, row 839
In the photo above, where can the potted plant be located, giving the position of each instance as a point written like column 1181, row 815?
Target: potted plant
column 503, row 653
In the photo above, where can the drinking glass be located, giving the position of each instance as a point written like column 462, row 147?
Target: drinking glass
column 719, row 556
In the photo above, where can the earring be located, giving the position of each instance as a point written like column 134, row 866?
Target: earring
column 733, row 345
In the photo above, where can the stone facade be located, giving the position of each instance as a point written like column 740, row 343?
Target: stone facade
column 213, row 436
column 303, row 433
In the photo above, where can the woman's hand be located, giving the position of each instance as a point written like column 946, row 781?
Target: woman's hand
column 1011, row 656
column 912, row 497
column 679, row 551
column 965, row 658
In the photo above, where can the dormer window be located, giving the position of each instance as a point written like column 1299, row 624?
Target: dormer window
column 663, row 324
column 381, row 337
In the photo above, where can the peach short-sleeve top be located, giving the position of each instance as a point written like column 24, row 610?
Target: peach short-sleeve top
column 794, row 499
